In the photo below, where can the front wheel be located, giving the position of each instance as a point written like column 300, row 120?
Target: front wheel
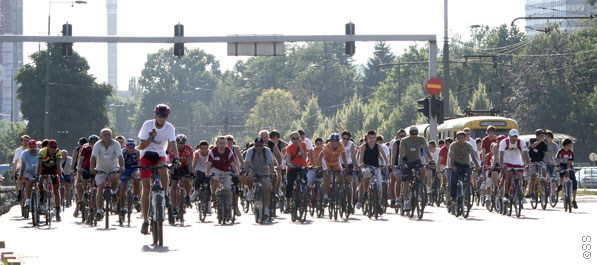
column 553, row 194
column 543, row 195
column 534, row 198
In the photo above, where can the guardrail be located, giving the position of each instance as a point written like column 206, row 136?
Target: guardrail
column 7, row 198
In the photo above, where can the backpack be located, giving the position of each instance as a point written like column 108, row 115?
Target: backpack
column 508, row 143
column 253, row 155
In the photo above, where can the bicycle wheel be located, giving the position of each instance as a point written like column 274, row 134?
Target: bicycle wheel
column 304, row 203
column 294, row 204
column 375, row 204
column 34, row 208
column 423, row 198
column 49, row 206
column 518, row 199
column 319, row 198
column 181, row 205
column 413, row 201
column 243, row 200
column 553, row 194
column 220, row 208
column 466, row 206
column 129, row 206
column 312, row 202
column 336, row 202
column 534, row 197
column 543, row 195
column 460, row 201
column 569, row 194
column 62, row 192
column 384, row 197
column 489, row 202
column 108, row 206
column 348, row 202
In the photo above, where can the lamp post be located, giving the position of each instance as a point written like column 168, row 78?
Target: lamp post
column 47, row 96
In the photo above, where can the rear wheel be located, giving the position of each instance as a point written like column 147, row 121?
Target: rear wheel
column 466, row 208
column 534, row 197
column 553, row 194
column 543, row 195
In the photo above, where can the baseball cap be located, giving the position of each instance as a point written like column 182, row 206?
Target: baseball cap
column 513, row 132
column 539, row 131
column 130, row 142
column 52, row 143
column 259, row 140
column 82, row 140
column 32, row 143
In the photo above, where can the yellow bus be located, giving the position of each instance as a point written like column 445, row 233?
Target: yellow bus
column 477, row 124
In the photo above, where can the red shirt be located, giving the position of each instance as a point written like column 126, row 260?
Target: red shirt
column 295, row 155
column 186, row 152
column 486, row 144
column 86, row 153
column 444, row 154
column 221, row 161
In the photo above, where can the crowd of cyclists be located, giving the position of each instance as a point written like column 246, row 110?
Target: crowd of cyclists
column 395, row 167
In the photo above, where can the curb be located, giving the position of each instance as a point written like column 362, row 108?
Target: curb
column 8, row 257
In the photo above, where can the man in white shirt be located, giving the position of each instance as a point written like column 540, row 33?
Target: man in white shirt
column 303, row 136
column 156, row 135
column 106, row 162
column 16, row 164
column 513, row 155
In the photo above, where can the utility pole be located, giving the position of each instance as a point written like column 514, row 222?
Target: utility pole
column 432, row 73
column 446, row 82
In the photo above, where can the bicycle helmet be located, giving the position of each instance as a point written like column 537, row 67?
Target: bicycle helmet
column 181, row 138
column 162, row 109
column 130, row 142
column 334, row 137
column 93, row 138
column 82, row 140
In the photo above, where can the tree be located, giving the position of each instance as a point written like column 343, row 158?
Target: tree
column 310, row 118
column 77, row 101
column 373, row 75
column 274, row 109
column 10, row 134
column 134, row 88
column 480, row 101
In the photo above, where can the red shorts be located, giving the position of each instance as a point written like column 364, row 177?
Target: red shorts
column 146, row 173
column 509, row 166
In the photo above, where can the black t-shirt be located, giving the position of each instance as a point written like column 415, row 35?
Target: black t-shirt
column 271, row 145
column 538, row 153
column 281, row 145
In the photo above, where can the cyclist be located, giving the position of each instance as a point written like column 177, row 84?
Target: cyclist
column 296, row 155
column 182, row 172
column 395, row 176
column 259, row 161
column 473, row 142
column 513, row 154
column 550, row 158
column 370, row 154
column 303, row 135
column 16, row 164
column 351, row 157
column 66, row 173
column 28, row 169
column 410, row 154
column 200, row 164
column 537, row 152
column 486, row 155
column 106, row 157
column 237, row 178
column 332, row 152
column 120, row 139
column 459, row 157
column 443, row 161
column 83, row 167
column 441, row 143
column 492, row 166
column 157, row 135
column 77, row 173
column 219, row 162
column 274, row 135
column 49, row 164
column 264, row 134
column 434, row 152
column 131, row 157
column 565, row 158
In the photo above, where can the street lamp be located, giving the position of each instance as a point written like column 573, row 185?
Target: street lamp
column 47, row 96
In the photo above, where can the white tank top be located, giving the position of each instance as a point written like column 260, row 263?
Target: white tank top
column 348, row 151
column 202, row 162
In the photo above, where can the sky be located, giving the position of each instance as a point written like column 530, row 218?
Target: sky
column 224, row 17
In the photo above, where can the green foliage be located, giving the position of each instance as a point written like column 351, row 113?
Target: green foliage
column 121, row 114
column 77, row 102
column 374, row 75
column 310, row 118
column 10, row 134
column 274, row 109
column 480, row 101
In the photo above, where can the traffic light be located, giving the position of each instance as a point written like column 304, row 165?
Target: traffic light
column 424, row 106
column 178, row 47
column 67, row 47
column 350, row 47
column 437, row 109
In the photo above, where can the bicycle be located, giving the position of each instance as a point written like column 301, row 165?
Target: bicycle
column 298, row 205
column 462, row 205
column 180, row 207
column 540, row 188
column 259, row 200
column 567, row 195
column 157, row 208
column 516, row 193
column 128, row 202
column 334, row 202
column 225, row 210
column 417, row 194
column 384, row 190
column 479, row 192
column 24, row 210
column 34, row 202
column 371, row 205
column 49, row 197
column 107, row 194
column 346, row 202
column 552, row 182
column 316, row 195
column 435, row 197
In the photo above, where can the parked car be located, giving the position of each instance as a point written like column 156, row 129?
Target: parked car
column 587, row 177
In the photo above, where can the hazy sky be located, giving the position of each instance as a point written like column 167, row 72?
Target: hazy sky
column 219, row 18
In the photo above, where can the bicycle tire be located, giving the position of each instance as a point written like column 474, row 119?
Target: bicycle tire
column 49, row 200
column 423, row 197
column 489, row 203
column 553, row 194
column 348, row 202
column 294, row 204
column 220, row 211
column 244, row 203
column 154, row 232
column 534, row 197
column 312, row 202
column 129, row 208
column 34, row 208
column 543, row 195
column 182, row 205
column 384, row 197
column 375, row 205
column 413, row 199
column 320, row 207
column 203, row 204
column 466, row 206
column 569, row 195
column 108, row 202
column 517, row 199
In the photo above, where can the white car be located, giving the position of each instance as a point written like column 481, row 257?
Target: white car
column 587, row 177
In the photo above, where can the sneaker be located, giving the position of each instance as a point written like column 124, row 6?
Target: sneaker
column 99, row 216
column 28, row 203
column 528, row 196
column 251, row 195
column 266, row 212
column 209, row 207
column 286, row 210
column 559, row 188
column 359, row 205
column 42, row 209
column 506, row 200
column 280, row 193
column 533, row 200
column 325, row 200
column 574, row 205
column 145, row 228
column 406, row 206
column 236, row 211
column 524, row 200
column 188, row 201
column 76, row 213
column 19, row 197
column 194, row 195
column 58, row 219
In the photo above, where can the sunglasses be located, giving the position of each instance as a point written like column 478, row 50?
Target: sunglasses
column 295, row 138
column 413, row 133
column 258, row 145
column 346, row 139
column 162, row 116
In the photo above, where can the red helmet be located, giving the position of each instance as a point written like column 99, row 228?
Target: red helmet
column 162, row 109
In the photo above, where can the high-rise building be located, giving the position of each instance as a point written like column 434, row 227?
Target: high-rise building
column 11, row 57
column 556, row 8
column 111, row 6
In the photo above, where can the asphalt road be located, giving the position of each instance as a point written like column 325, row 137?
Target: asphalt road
column 538, row 237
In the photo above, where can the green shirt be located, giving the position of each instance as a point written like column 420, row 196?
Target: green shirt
column 412, row 147
column 461, row 153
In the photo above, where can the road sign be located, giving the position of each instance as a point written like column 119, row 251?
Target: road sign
column 593, row 157
column 433, row 86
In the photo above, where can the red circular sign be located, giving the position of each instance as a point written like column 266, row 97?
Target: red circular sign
column 433, row 86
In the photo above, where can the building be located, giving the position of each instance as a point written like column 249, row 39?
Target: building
column 111, row 7
column 11, row 57
column 556, row 8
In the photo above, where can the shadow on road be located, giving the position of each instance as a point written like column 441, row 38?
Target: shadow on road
column 155, row 248
column 104, row 229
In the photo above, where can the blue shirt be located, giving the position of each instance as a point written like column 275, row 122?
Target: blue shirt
column 130, row 160
column 31, row 160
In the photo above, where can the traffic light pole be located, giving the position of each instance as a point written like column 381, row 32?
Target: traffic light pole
column 432, row 74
